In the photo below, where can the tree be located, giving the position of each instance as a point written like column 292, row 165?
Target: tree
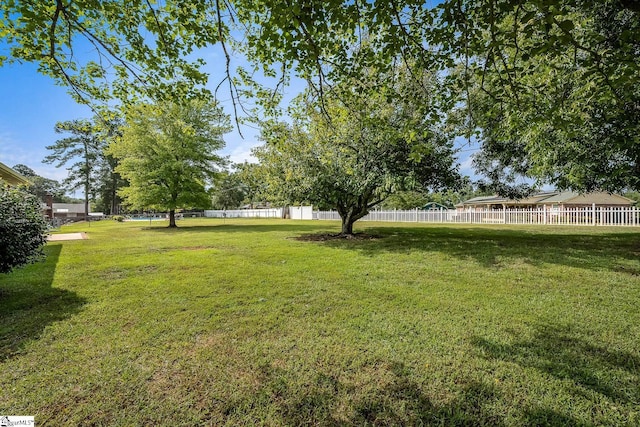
column 228, row 191
column 85, row 148
column 363, row 150
column 108, row 181
column 167, row 154
column 404, row 200
column 633, row 195
column 22, row 228
column 40, row 186
column 252, row 182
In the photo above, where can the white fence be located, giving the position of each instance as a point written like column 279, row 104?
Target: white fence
column 623, row 216
column 301, row 212
column 244, row 213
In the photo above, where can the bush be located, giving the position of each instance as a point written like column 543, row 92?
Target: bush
column 118, row 218
column 23, row 229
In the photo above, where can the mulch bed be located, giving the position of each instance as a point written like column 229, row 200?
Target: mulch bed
column 323, row 237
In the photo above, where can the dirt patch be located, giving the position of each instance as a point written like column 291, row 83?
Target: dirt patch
column 323, row 237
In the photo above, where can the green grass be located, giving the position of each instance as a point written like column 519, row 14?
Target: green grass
column 239, row 323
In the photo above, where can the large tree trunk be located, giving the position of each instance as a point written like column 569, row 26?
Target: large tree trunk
column 347, row 226
column 349, row 215
column 172, row 218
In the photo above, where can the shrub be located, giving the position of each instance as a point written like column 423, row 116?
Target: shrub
column 118, row 218
column 23, row 229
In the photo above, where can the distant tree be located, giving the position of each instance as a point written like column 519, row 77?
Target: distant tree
column 167, row 154
column 85, row 149
column 24, row 170
column 108, row 181
column 228, row 191
column 252, row 182
column 40, row 186
column 633, row 195
column 406, row 200
column 22, row 228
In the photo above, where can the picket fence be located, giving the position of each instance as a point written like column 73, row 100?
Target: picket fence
column 593, row 215
column 244, row 213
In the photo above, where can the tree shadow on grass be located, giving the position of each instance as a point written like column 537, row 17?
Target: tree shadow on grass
column 295, row 228
column 489, row 247
column 561, row 352
column 493, row 247
column 549, row 417
column 330, row 401
column 388, row 394
column 29, row 303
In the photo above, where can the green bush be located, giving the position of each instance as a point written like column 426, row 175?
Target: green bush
column 118, row 218
column 23, row 229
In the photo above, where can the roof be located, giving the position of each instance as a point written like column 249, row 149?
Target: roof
column 485, row 199
column 10, row 176
column 554, row 197
column 599, row 198
column 68, row 207
column 535, row 198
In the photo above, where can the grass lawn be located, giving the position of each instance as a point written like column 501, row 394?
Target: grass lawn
column 240, row 323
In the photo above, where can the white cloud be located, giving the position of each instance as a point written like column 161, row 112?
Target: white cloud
column 242, row 152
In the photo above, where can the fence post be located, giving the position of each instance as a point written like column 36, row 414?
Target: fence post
column 544, row 214
column 504, row 214
column 593, row 213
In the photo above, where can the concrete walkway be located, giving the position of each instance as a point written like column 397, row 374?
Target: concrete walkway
column 66, row 236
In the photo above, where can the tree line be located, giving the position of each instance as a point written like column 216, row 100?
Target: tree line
column 165, row 157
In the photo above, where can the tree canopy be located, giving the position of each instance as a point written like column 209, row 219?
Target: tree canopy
column 167, row 153
column 554, row 93
column 104, row 48
column 562, row 72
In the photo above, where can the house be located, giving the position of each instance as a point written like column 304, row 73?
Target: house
column 11, row 177
column 68, row 210
column 553, row 199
